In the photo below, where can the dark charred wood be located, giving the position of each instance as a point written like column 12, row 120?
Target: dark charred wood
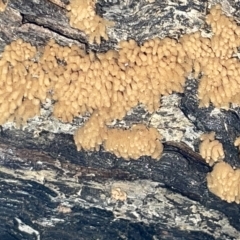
column 29, row 195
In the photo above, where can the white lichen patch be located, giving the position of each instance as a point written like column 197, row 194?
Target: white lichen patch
column 172, row 124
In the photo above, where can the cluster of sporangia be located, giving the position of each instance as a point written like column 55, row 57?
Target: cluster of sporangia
column 223, row 181
column 3, row 5
column 109, row 84
column 82, row 15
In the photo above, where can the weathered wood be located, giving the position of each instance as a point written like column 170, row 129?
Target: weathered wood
column 167, row 198
column 51, row 191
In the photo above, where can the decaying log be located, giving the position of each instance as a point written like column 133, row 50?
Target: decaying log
column 51, row 191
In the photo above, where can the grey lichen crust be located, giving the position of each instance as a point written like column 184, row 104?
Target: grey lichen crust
column 147, row 202
column 169, row 120
column 141, row 20
column 172, row 123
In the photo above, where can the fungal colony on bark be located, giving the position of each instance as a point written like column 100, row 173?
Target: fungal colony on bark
column 109, row 84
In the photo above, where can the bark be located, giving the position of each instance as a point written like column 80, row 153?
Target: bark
column 51, row 191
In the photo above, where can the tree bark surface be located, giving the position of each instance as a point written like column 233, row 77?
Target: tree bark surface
column 48, row 190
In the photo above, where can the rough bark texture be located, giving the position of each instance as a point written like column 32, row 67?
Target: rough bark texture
column 48, row 190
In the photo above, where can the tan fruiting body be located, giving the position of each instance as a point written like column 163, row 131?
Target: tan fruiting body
column 82, row 16
column 224, row 182
column 109, row 84
column 220, row 84
column 129, row 144
column 118, row 194
column 210, row 149
column 237, row 142
column 3, row 5
column 18, row 99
